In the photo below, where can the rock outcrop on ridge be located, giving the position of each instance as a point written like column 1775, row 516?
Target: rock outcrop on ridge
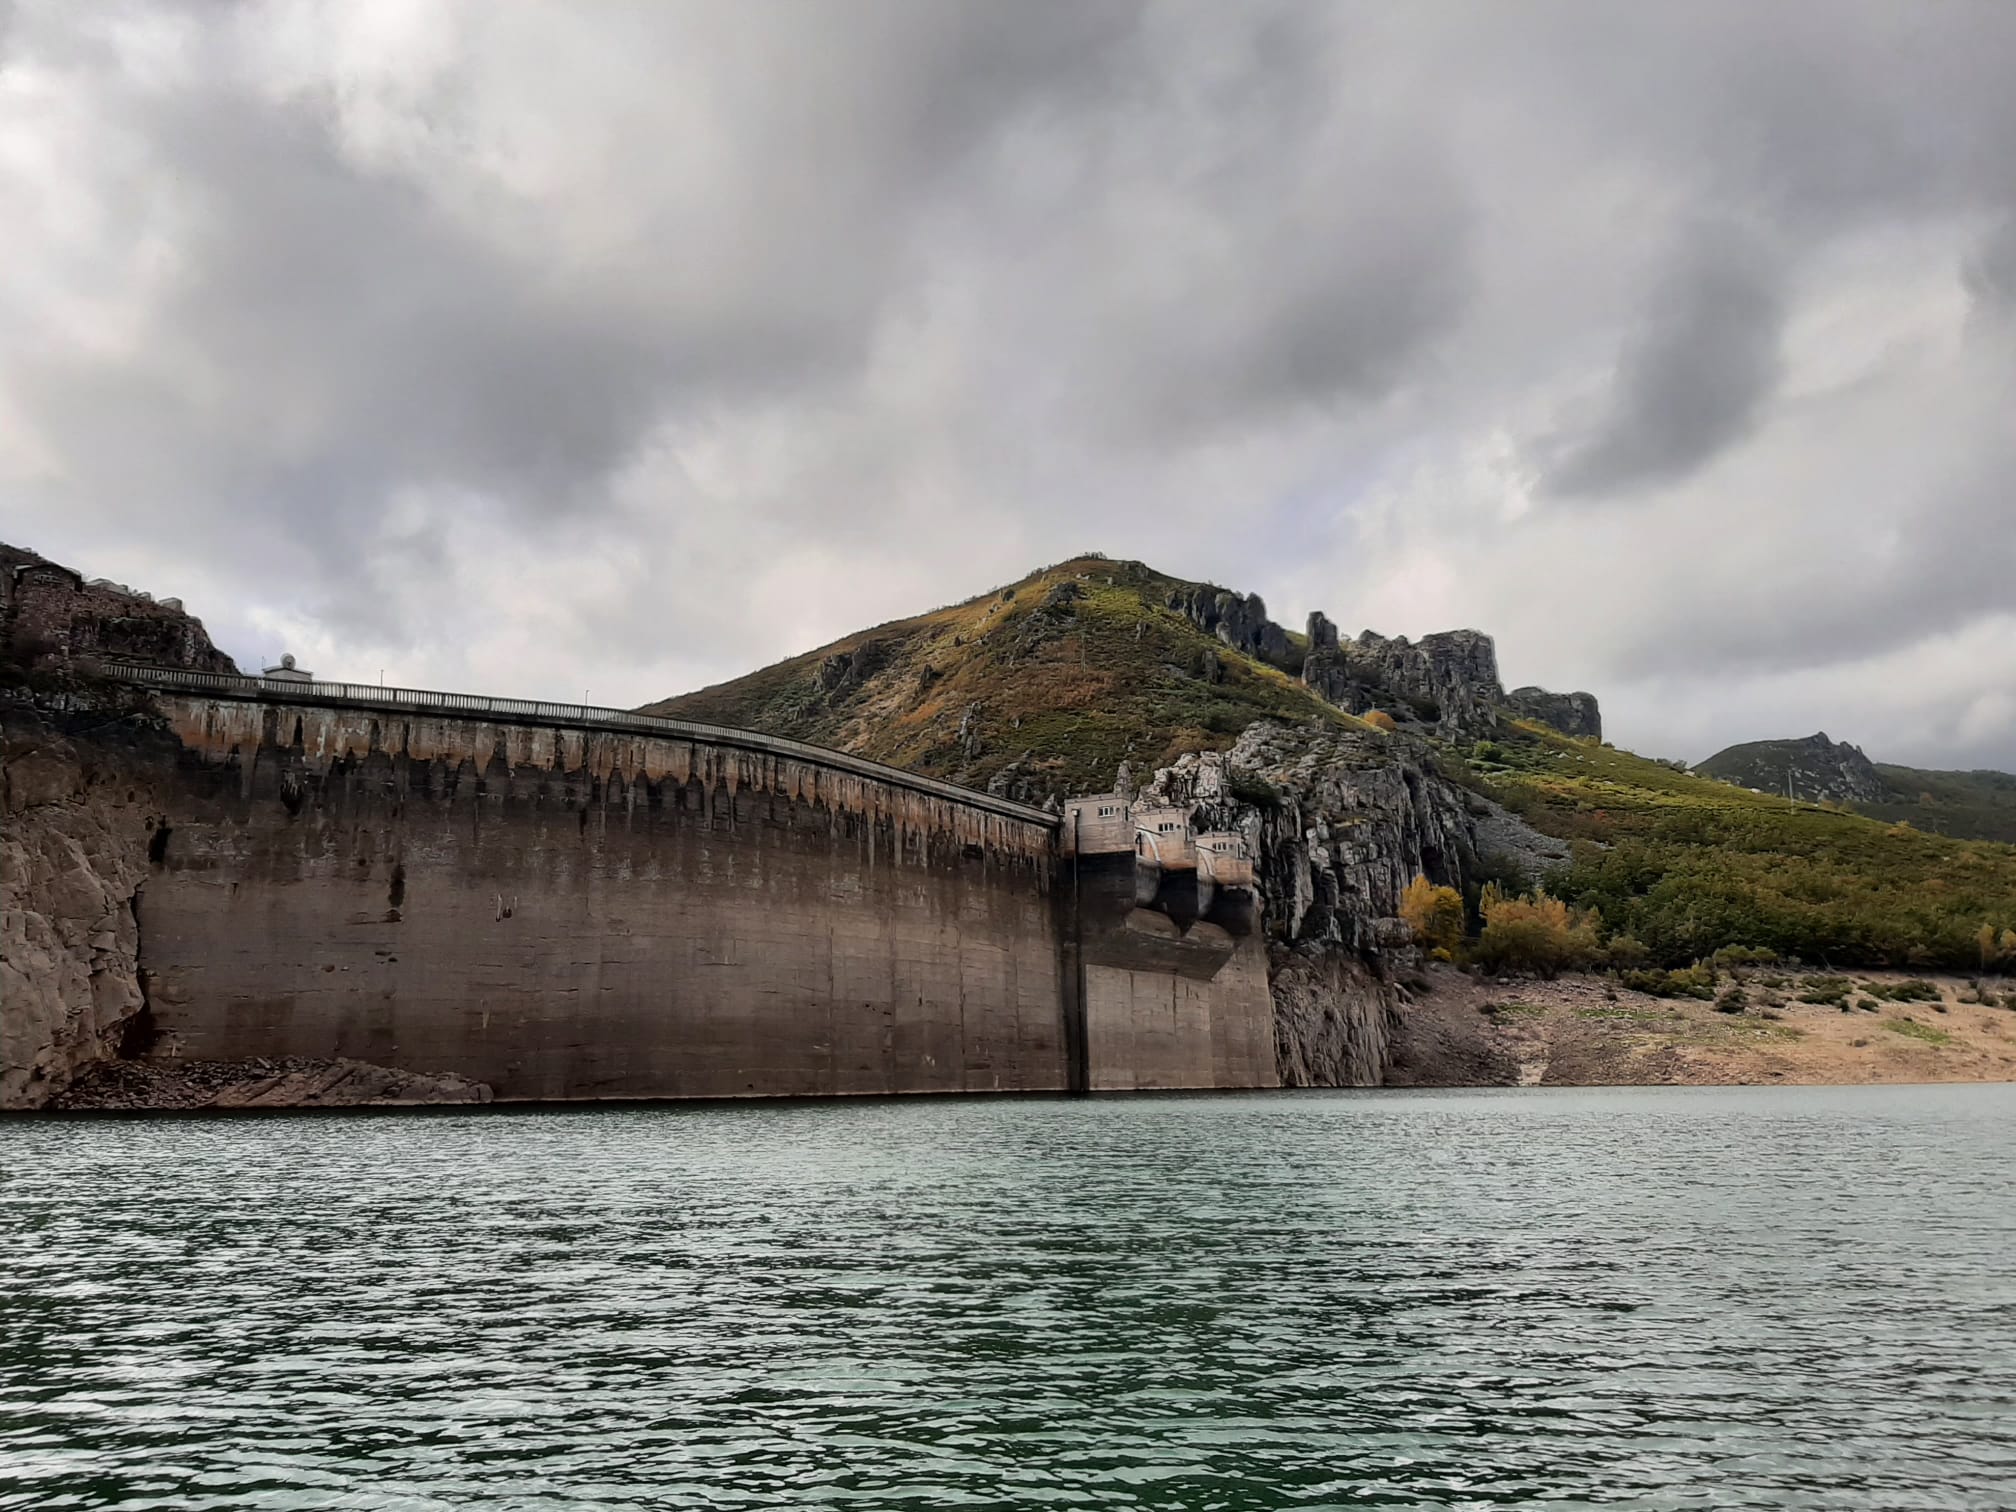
column 1571, row 713
column 1446, row 681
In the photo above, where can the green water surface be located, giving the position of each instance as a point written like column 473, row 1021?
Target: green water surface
column 1666, row 1298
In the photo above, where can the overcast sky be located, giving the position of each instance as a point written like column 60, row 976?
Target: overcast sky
column 536, row 349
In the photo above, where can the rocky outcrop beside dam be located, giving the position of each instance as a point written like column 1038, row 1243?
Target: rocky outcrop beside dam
column 1341, row 823
column 78, row 820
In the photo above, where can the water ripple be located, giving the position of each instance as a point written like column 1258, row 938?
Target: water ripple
column 1667, row 1298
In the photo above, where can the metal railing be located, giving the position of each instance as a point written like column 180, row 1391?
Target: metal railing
column 533, row 711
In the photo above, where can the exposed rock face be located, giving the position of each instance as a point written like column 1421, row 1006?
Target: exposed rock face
column 1448, row 680
column 1240, row 622
column 844, row 671
column 1450, row 676
column 78, row 824
column 1816, row 769
column 1334, row 1018
column 1330, row 676
column 1571, row 713
column 49, row 614
column 1019, row 780
column 1355, row 818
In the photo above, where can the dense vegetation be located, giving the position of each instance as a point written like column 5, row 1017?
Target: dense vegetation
column 1687, row 865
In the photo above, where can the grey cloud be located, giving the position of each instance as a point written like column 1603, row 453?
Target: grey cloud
column 809, row 304
column 1991, row 272
column 1694, row 377
column 1363, row 274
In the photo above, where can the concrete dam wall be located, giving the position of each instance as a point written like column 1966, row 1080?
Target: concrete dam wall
column 574, row 903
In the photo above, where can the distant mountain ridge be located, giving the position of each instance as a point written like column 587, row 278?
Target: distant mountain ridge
column 1977, row 805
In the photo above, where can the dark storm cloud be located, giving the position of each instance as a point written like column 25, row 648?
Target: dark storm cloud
column 1695, row 375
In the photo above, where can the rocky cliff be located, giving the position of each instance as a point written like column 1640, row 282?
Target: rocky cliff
column 79, row 820
column 1239, row 621
column 50, row 615
column 1341, row 823
column 1448, row 681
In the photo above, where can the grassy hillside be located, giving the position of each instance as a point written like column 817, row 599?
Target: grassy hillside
column 1079, row 667
column 1689, row 865
column 1969, row 805
column 1966, row 805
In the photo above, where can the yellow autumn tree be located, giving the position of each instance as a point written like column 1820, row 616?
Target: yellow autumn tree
column 1435, row 914
column 1533, row 932
column 1379, row 719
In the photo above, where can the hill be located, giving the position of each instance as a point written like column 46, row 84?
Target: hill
column 1816, row 769
column 1971, row 805
column 1039, row 688
column 1046, row 686
column 1967, row 805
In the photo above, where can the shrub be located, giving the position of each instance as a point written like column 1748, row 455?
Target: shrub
column 1826, row 989
column 1916, row 990
column 1379, row 719
column 1626, row 952
column 1434, row 914
column 1693, row 981
column 1732, row 1001
column 1729, row 957
column 1488, row 750
column 1533, row 932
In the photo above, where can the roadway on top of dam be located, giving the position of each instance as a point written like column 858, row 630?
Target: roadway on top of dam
column 519, row 711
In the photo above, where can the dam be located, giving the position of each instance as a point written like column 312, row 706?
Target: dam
column 565, row 902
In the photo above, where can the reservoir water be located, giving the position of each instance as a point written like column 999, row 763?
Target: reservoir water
column 1773, row 1298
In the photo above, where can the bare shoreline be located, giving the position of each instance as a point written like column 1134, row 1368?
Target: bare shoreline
column 1585, row 1030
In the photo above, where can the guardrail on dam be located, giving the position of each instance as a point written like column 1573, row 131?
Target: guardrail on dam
column 571, row 902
